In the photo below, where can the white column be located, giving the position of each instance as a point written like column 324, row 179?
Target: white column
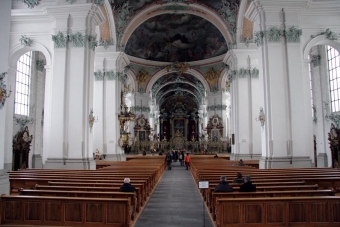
column 287, row 135
column 74, row 145
column 5, row 22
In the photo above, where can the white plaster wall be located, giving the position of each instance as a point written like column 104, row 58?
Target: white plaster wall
column 5, row 9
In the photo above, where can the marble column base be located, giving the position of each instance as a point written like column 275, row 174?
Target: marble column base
column 285, row 162
column 245, row 156
column 4, row 182
column 70, row 163
column 37, row 161
column 322, row 160
column 115, row 157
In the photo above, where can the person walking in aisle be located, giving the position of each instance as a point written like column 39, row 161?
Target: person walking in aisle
column 187, row 161
column 168, row 159
column 181, row 158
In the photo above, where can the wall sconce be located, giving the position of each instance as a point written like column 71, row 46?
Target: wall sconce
column 261, row 117
column 92, row 119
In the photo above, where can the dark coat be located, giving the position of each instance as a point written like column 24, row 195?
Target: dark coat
column 248, row 187
column 223, row 187
column 127, row 187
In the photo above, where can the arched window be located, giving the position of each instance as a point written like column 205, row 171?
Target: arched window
column 334, row 77
column 22, row 87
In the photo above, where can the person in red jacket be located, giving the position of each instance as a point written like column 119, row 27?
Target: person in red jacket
column 187, row 161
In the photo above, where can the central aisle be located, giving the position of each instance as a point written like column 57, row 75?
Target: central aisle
column 175, row 202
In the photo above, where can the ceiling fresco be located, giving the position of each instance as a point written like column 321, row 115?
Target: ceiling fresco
column 176, row 38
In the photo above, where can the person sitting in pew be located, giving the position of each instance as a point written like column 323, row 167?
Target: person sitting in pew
column 241, row 163
column 247, row 186
column 127, row 187
column 223, row 186
column 239, row 179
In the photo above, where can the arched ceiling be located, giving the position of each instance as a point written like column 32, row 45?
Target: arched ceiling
column 176, row 38
column 174, row 85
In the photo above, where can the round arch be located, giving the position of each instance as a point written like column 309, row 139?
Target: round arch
column 197, row 10
column 320, row 40
column 223, row 79
column 163, row 72
column 18, row 50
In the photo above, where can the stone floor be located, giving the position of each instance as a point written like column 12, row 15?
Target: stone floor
column 175, row 202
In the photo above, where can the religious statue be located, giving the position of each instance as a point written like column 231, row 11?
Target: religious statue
column 151, row 137
column 126, row 126
column 97, row 154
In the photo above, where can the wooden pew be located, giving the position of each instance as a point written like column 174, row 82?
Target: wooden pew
column 61, row 193
column 297, row 193
column 320, row 211
column 139, row 202
column 65, row 211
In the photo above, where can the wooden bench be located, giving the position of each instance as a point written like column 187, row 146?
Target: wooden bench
column 297, row 193
column 90, row 194
column 139, row 202
column 65, row 211
column 314, row 211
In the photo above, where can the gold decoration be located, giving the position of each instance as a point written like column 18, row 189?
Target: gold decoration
column 142, row 76
column 212, row 76
column 182, row 68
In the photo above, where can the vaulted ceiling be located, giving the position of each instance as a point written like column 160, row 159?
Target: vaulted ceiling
column 172, row 31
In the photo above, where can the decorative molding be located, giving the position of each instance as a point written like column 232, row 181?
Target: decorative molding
column 293, row 35
column 329, row 34
column 258, row 38
column 23, row 121
column 31, row 3
column 106, row 43
column 255, row 73
column 92, row 42
column 217, row 107
column 25, row 41
column 214, row 89
column 98, row 75
column 140, row 108
column 316, row 60
column 212, row 75
column 228, row 10
column 232, row 75
column 77, row 39
column 174, row 8
column 60, row 40
column 246, row 41
column 122, row 18
column 242, row 73
column 40, row 65
column 315, row 119
column 334, row 118
column 274, row 34
column 151, row 115
column 3, row 90
column 142, row 76
column 110, row 75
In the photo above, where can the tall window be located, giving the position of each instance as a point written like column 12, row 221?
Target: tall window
column 23, row 81
column 334, row 77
